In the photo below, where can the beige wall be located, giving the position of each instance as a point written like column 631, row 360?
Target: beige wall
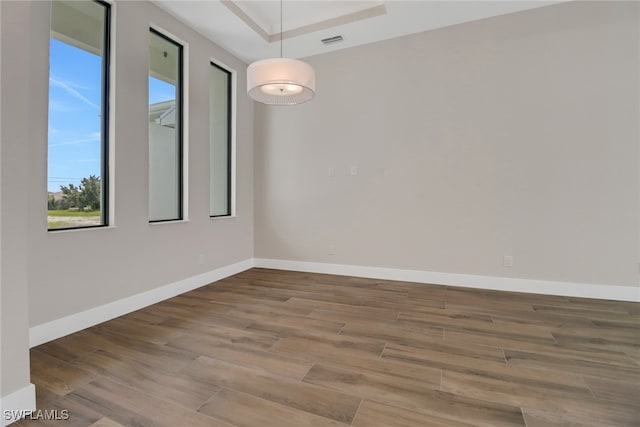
column 134, row 256
column 15, row 134
column 50, row 275
column 516, row 135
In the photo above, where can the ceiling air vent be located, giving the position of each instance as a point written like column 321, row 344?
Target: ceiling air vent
column 332, row 40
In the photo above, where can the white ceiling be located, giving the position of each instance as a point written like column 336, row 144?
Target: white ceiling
column 251, row 29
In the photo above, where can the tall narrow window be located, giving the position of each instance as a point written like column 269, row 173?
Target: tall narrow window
column 77, row 167
column 220, row 141
column 165, row 128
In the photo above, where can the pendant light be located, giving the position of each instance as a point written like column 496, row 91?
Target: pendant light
column 281, row 81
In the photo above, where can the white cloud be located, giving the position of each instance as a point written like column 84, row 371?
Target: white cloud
column 70, row 89
column 92, row 137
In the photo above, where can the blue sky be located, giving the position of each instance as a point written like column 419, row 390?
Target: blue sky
column 74, row 113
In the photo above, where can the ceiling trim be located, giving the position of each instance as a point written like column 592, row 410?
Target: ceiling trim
column 246, row 28
column 236, row 10
column 349, row 18
column 360, row 15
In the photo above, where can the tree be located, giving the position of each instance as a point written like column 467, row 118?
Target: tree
column 70, row 196
column 90, row 190
column 85, row 196
column 51, row 202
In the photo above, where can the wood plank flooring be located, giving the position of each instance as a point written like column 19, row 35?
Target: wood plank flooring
column 271, row 348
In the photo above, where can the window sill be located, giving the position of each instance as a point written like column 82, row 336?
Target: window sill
column 171, row 221
column 85, row 229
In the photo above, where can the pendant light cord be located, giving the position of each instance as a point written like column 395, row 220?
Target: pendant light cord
column 280, row 28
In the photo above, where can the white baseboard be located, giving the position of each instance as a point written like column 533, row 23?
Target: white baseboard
column 545, row 287
column 60, row 327
column 73, row 323
column 17, row 404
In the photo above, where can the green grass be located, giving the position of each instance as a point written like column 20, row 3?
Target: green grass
column 72, row 213
column 57, row 224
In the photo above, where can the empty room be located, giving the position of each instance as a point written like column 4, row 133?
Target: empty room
column 295, row 213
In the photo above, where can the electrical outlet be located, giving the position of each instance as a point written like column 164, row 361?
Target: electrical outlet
column 507, row 261
column 354, row 170
column 332, row 171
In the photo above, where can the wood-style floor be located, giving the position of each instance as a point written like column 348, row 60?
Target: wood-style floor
column 271, row 348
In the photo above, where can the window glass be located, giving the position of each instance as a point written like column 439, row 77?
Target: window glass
column 78, row 115
column 165, row 128
column 220, row 141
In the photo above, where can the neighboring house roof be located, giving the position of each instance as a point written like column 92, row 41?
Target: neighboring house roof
column 163, row 113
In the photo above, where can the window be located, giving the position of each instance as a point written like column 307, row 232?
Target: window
column 77, row 166
column 220, row 141
column 165, row 128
